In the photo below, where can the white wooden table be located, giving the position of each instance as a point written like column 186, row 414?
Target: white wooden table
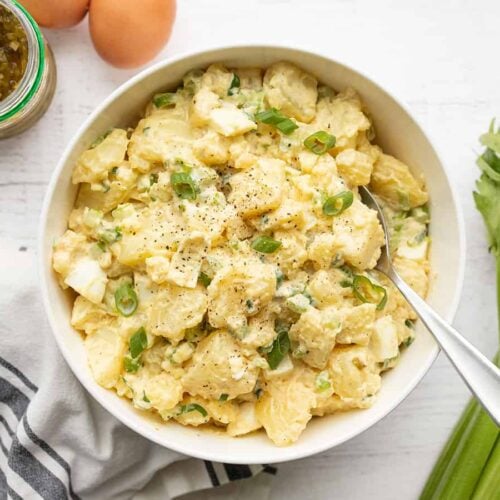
column 436, row 56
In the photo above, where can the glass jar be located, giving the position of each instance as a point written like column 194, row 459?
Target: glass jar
column 32, row 96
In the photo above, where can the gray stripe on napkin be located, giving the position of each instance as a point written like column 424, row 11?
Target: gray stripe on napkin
column 51, row 452
column 20, row 459
column 13, row 397
column 19, row 374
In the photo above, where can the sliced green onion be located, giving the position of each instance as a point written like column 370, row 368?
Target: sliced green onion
column 164, row 100
column 367, row 291
column 193, row 407
column 265, row 244
column 409, row 323
column 287, row 126
column 184, row 186
column 235, row 85
column 347, row 281
column 323, row 381
column 109, row 236
column 276, row 119
column 320, row 142
column 335, row 205
column 223, row 397
column 145, row 398
column 131, row 365
column 280, row 347
column 408, row 341
column 126, row 300
column 204, row 279
column 270, row 116
column 138, row 342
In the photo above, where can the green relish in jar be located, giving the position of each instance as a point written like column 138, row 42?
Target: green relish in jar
column 13, row 52
column 27, row 70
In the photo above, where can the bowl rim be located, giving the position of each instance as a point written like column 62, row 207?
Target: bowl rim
column 92, row 387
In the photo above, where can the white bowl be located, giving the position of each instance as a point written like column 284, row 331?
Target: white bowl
column 397, row 132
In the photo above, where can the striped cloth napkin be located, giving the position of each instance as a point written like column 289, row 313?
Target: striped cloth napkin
column 56, row 442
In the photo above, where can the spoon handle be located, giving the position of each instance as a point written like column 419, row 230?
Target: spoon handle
column 481, row 376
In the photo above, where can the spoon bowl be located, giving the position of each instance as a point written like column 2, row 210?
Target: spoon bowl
column 481, row 375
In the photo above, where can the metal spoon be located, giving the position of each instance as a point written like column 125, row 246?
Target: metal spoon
column 481, row 376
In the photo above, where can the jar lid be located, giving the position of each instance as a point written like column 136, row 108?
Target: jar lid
column 31, row 80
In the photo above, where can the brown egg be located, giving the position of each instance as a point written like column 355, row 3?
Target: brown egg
column 56, row 13
column 128, row 33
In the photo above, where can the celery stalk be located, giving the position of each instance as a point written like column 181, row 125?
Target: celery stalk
column 488, row 487
column 467, row 453
column 465, row 467
column 469, row 465
column 448, row 452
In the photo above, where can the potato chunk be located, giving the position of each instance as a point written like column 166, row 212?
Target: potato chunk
column 111, row 193
column 322, row 250
column 291, row 90
column 185, row 265
column 353, row 372
column 212, row 149
column 325, row 287
column 354, row 167
column 260, row 330
column 357, row 324
column 396, row 185
column 334, row 404
column 164, row 391
column 88, row 316
column 67, row 250
column 94, row 165
column 161, row 137
column 174, row 309
column 342, row 116
column 246, row 420
column 384, row 341
column 217, row 79
column 414, row 273
column 358, row 236
column 156, row 231
column 230, row 121
column 105, row 350
column 315, row 332
column 217, row 367
column 285, row 407
column 234, row 288
column 258, row 189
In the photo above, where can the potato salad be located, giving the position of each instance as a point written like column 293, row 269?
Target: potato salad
column 223, row 262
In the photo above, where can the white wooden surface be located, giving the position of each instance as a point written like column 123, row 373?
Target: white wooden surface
column 439, row 57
